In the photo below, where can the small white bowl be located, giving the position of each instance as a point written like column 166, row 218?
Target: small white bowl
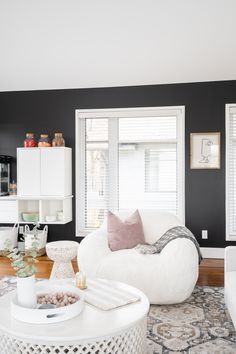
column 50, row 218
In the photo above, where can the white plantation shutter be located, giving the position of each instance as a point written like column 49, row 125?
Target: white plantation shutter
column 161, row 168
column 129, row 159
column 144, row 165
column 96, row 172
column 231, row 172
column 147, row 129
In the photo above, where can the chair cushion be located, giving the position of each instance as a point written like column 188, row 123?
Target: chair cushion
column 124, row 234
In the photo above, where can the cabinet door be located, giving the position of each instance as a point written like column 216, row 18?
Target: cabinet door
column 28, row 172
column 52, row 172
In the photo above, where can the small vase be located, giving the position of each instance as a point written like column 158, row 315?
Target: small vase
column 26, row 293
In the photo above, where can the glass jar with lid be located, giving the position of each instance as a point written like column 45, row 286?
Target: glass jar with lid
column 44, row 141
column 30, row 141
column 58, row 140
column 13, row 188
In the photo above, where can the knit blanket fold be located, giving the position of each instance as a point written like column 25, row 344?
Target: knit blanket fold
column 171, row 234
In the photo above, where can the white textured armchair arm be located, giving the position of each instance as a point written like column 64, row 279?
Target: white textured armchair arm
column 92, row 249
column 230, row 281
column 230, row 259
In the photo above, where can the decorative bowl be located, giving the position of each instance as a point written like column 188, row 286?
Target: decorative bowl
column 30, row 216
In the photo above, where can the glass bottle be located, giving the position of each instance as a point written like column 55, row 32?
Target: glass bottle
column 58, row 140
column 44, row 141
column 30, row 141
column 13, row 188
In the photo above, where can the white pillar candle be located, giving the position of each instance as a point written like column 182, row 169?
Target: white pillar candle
column 81, row 280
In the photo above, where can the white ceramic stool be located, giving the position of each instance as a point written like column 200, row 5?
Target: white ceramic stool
column 62, row 253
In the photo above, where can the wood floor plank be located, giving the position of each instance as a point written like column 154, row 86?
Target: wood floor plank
column 44, row 267
column 211, row 271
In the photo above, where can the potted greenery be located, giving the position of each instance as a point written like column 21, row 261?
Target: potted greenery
column 25, row 270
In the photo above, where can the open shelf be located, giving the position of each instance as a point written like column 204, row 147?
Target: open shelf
column 51, row 208
column 26, row 206
column 54, row 206
column 11, row 209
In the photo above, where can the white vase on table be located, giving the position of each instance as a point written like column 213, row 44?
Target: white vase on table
column 26, row 292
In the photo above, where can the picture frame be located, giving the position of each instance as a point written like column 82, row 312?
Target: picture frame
column 205, row 150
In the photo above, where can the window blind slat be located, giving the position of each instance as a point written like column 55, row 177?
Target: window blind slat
column 96, row 172
column 231, row 173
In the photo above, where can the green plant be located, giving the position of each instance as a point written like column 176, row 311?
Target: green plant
column 22, row 264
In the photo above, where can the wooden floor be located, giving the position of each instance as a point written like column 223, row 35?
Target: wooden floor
column 44, row 267
column 211, row 271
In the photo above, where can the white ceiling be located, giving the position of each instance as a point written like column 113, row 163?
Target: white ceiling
column 55, row 44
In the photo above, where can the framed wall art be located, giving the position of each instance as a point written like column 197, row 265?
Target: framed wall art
column 205, row 150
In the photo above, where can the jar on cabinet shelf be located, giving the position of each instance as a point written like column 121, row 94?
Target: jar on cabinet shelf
column 58, row 140
column 30, row 141
column 44, row 141
column 13, row 188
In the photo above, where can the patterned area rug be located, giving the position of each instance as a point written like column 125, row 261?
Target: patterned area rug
column 200, row 325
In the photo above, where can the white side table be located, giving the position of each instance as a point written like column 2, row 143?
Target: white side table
column 62, row 253
column 119, row 331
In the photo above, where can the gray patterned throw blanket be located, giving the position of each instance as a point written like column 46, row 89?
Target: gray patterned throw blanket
column 171, row 234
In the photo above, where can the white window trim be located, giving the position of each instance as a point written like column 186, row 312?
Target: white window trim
column 229, row 109
column 178, row 111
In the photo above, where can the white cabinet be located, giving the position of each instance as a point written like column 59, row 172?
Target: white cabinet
column 28, row 171
column 44, row 171
column 44, row 184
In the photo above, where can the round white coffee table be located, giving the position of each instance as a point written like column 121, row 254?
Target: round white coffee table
column 62, row 253
column 119, row 331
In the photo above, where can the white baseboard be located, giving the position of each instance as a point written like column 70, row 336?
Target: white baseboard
column 210, row 252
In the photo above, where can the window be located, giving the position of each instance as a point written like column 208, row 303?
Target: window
column 231, row 172
column 128, row 159
column 160, row 168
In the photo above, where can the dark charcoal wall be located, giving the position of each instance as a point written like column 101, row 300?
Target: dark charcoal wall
column 50, row 111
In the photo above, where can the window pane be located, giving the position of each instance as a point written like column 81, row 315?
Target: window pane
column 160, row 168
column 147, row 129
column 96, row 129
column 96, row 172
column 147, row 163
column 232, row 184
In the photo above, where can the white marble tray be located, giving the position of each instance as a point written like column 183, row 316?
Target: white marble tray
column 46, row 316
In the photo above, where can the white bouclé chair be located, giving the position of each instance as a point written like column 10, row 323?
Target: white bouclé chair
column 166, row 278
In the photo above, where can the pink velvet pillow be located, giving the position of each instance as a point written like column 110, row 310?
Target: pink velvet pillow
column 124, row 234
